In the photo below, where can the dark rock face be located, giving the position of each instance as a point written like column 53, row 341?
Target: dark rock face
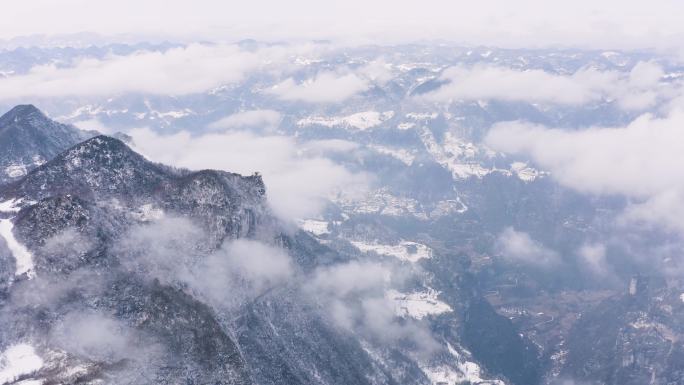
column 493, row 341
column 287, row 342
column 28, row 139
column 630, row 339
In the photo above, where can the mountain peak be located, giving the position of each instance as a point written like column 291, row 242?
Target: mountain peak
column 101, row 143
column 25, row 109
column 28, row 139
column 102, row 151
column 22, row 112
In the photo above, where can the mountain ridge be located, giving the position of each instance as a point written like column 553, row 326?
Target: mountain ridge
column 28, row 138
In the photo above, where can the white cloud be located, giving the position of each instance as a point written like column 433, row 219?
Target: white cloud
column 378, row 71
column 173, row 250
column 518, row 246
column 68, row 247
column 325, row 87
column 352, row 278
column 240, row 271
column 665, row 209
column 94, row 336
column 641, row 161
column 256, row 262
column 353, row 296
column 297, row 184
column 594, row 257
column 191, row 69
column 93, row 125
column 247, row 119
column 638, row 89
column 330, row 146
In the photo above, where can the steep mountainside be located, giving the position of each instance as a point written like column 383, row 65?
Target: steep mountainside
column 28, row 139
column 120, row 270
column 85, row 312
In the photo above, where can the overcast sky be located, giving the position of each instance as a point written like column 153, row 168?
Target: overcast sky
column 595, row 23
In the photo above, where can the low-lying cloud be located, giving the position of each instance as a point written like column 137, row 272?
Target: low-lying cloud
column 353, row 296
column 183, row 70
column 638, row 89
column 641, row 161
column 93, row 336
column 174, row 250
column 518, row 246
column 594, row 257
column 325, row 87
column 297, row 184
column 241, row 270
column 247, row 119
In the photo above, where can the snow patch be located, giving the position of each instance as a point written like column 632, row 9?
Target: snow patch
column 456, row 155
column 417, row 305
column 10, row 206
column 91, row 110
column 524, row 173
column 403, row 155
column 147, row 213
column 422, row 115
column 447, row 207
column 463, row 371
column 166, row 114
column 314, row 227
column 16, row 170
column 361, row 120
column 19, row 360
column 21, row 254
column 381, row 202
column 405, row 251
column 173, row 114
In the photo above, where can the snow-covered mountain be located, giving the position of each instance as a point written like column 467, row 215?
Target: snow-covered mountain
column 28, row 139
column 120, row 270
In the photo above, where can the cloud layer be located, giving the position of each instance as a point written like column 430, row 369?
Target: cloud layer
column 326, row 87
column 178, row 71
column 641, row 161
column 638, row 89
